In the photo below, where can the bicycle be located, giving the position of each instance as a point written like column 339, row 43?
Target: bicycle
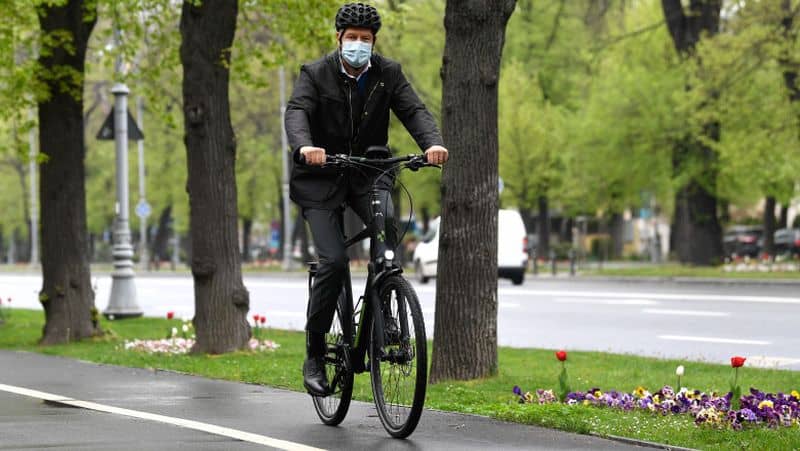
column 391, row 345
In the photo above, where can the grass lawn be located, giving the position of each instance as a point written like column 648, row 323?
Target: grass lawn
column 528, row 368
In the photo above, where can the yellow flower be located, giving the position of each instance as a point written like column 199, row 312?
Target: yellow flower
column 585, row 402
column 796, row 394
column 598, row 394
column 639, row 392
column 765, row 403
column 528, row 397
column 656, row 399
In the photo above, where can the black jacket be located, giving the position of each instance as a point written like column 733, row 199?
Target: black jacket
column 326, row 111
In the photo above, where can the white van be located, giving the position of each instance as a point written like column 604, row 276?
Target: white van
column 512, row 246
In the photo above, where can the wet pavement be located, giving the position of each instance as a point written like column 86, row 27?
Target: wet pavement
column 30, row 423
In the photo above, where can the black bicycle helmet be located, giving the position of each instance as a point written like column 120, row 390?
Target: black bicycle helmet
column 358, row 15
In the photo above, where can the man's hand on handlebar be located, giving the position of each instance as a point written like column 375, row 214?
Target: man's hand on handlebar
column 436, row 155
column 313, row 156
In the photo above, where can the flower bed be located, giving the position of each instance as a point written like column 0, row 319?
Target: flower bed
column 729, row 410
column 184, row 345
column 175, row 344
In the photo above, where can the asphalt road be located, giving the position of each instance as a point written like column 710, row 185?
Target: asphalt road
column 137, row 409
column 692, row 321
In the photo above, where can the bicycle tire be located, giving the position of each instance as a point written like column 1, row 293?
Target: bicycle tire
column 404, row 356
column 332, row 409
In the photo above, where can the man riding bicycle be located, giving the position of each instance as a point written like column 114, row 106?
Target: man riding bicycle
column 340, row 104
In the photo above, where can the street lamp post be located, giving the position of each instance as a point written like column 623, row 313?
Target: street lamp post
column 143, row 208
column 287, row 212
column 34, row 207
column 122, row 302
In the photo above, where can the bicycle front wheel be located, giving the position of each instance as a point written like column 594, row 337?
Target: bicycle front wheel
column 333, row 408
column 399, row 369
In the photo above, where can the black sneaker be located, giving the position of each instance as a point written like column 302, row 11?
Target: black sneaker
column 314, row 378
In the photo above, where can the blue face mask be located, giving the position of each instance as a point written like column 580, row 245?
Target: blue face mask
column 356, row 53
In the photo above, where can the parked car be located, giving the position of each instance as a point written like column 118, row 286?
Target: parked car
column 512, row 247
column 740, row 241
column 787, row 241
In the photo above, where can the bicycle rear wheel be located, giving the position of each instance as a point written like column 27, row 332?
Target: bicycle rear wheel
column 399, row 369
column 333, row 408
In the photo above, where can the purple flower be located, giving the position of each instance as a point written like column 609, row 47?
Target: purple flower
column 517, row 390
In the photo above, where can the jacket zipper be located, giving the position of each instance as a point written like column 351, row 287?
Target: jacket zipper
column 366, row 104
column 352, row 130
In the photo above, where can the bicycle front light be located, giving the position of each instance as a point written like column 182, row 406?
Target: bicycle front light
column 388, row 255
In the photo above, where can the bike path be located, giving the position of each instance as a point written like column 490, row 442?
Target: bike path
column 144, row 409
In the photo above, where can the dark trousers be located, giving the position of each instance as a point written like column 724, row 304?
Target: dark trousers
column 327, row 230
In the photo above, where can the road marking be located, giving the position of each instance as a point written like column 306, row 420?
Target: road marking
column 714, row 340
column 656, row 311
column 607, row 301
column 188, row 424
column 657, row 296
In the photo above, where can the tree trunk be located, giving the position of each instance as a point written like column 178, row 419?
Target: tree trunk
column 221, row 300
column 769, row 225
column 159, row 249
column 247, row 227
column 543, row 229
column 66, row 295
column 465, row 334
column 698, row 235
column 616, row 234
column 783, row 219
column 426, row 219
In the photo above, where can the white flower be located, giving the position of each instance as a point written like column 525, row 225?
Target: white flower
column 679, row 370
column 185, row 328
column 174, row 331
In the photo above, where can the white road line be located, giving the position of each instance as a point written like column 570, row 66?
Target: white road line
column 656, row 311
column 657, row 296
column 606, row 301
column 188, row 424
column 714, row 340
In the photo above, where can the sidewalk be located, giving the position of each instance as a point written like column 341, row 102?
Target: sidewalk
column 221, row 415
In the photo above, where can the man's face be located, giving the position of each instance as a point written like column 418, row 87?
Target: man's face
column 356, row 34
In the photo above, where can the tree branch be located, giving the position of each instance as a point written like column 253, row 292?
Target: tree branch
column 556, row 23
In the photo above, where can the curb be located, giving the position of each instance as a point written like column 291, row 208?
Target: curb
column 674, row 280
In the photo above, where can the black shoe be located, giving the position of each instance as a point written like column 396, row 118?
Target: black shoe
column 314, row 377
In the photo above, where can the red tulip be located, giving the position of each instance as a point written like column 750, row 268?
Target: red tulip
column 256, row 318
column 561, row 355
column 170, row 315
column 737, row 361
column 263, row 319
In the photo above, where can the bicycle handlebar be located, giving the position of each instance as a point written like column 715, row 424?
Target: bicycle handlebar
column 413, row 161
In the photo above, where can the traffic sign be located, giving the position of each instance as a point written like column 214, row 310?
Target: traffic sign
column 106, row 132
column 143, row 209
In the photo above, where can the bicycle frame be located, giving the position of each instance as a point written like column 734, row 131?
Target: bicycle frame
column 377, row 269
